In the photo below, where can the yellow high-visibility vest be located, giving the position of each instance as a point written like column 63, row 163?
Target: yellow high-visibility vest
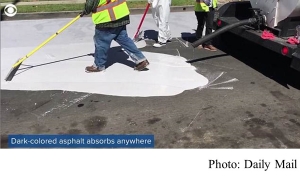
column 200, row 6
column 110, row 10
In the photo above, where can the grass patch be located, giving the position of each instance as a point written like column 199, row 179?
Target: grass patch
column 182, row 2
column 50, row 8
column 79, row 7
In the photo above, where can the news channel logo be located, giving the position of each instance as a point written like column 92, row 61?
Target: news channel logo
column 10, row 10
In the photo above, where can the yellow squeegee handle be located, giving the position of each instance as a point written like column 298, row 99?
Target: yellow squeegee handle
column 46, row 41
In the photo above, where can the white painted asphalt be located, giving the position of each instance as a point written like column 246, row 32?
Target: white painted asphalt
column 60, row 63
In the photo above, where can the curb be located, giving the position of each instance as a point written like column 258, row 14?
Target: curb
column 72, row 14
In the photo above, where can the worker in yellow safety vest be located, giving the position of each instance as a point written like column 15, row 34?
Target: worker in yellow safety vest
column 110, row 18
column 205, row 11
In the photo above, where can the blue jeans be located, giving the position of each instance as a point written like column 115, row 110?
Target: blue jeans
column 103, row 38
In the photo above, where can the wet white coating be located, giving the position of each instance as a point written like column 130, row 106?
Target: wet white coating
column 60, row 64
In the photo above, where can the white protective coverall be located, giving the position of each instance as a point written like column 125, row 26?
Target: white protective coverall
column 160, row 13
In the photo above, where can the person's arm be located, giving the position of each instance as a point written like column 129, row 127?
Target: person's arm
column 89, row 6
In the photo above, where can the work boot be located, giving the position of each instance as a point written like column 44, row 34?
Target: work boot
column 92, row 68
column 210, row 48
column 141, row 66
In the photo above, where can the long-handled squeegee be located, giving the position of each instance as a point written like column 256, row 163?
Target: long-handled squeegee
column 16, row 66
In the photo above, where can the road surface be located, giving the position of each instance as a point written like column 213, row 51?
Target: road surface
column 252, row 99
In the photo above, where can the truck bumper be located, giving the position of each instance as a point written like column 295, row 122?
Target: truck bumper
column 233, row 12
column 296, row 60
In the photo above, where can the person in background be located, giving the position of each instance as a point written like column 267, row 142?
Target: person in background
column 110, row 19
column 160, row 13
column 205, row 11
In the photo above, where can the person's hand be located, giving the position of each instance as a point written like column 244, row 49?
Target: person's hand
column 150, row 1
column 83, row 13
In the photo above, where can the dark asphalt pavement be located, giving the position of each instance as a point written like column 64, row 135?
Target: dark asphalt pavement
column 258, row 108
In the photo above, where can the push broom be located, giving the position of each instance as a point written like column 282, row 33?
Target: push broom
column 16, row 66
column 137, row 35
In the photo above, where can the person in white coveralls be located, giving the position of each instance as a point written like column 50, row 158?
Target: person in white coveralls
column 160, row 13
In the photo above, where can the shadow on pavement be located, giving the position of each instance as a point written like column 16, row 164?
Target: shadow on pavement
column 28, row 67
column 270, row 64
column 151, row 34
column 189, row 37
column 115, row 55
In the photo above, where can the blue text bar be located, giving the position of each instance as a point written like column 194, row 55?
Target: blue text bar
column 81, row 141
